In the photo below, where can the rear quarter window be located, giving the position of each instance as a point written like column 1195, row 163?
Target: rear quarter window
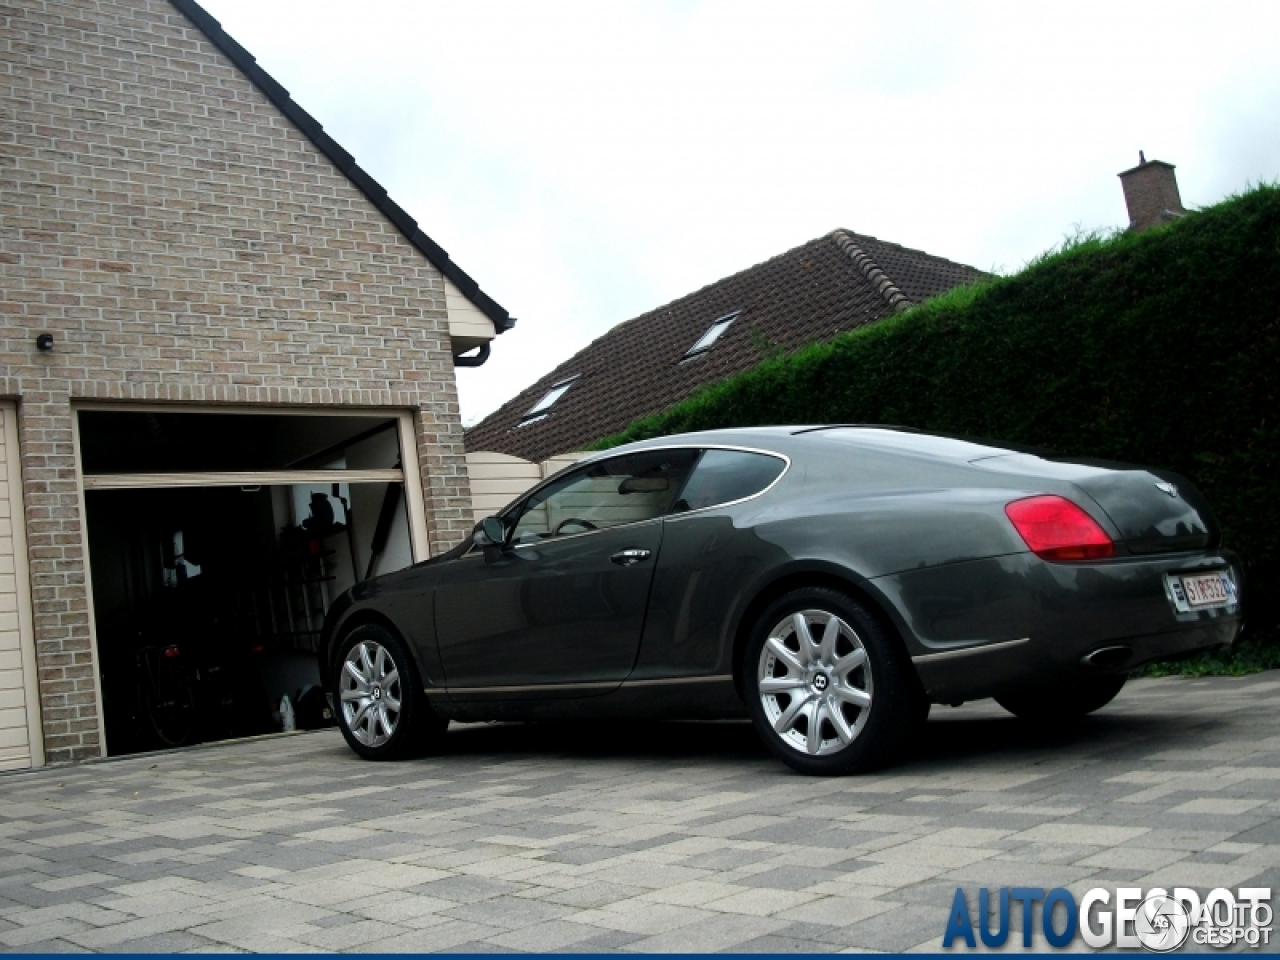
column 723, row 476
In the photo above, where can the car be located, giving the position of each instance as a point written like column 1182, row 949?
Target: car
column 829, row 582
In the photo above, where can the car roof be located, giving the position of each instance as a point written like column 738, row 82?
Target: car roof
column 828, row 439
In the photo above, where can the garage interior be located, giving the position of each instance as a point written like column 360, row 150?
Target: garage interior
column 216, row 543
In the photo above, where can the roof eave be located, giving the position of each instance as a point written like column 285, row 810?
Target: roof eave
column 344, row 161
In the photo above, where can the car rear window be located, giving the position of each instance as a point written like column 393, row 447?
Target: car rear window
column 723, row 476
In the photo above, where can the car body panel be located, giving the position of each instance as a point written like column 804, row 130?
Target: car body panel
column 558, row 612
column 1056, row 613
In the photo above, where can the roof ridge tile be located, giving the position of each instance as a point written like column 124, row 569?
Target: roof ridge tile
column 896, row 299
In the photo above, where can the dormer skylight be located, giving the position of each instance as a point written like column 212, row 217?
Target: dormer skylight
column 543, row 407
column 708, row 339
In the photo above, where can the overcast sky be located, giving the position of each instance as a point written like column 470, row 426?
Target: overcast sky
column 588, row 161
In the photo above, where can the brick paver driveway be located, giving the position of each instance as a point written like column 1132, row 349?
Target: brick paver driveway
column 635, row 836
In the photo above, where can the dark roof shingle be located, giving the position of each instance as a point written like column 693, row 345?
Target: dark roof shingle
column 809, row 294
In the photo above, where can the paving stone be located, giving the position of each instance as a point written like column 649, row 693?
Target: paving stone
column 53, row 946
column 507, row 912
column 895, row 930
column 591, row 895
column 441, row 937
column 178, row 941
column 778, row 943
column 481, row 946
column 709, row 935
column 466, row 889
column 551, row 936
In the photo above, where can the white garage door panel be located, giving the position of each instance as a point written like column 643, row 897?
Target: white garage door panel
column 20, row 742
column 14, row 721
column 12, row 697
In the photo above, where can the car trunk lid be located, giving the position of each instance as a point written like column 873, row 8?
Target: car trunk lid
column 1154, row 511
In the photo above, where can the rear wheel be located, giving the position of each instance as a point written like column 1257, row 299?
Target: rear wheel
column 382, row 711
column 829, row 691
column 1064, row 702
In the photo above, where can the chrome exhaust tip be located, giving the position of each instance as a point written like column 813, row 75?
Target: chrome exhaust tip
column 1107, row 657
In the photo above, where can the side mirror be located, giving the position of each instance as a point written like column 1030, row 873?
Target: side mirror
column 489, row 532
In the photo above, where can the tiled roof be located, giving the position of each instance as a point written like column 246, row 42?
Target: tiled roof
column 377, row 194
column 827, row 286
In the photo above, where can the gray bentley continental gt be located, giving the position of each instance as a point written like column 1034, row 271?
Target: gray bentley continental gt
column 829, row 582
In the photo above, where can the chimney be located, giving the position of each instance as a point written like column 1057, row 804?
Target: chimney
column 1151, row 194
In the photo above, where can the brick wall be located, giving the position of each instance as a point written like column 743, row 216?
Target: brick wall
column 183, row 242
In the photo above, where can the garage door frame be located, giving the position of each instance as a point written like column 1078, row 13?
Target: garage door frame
column 409, row 476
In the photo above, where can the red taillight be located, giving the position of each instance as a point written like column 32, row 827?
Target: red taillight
column 172, row 652
column 1056, row 529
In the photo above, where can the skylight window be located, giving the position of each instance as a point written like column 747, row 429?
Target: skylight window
column 708, row 339
column 540, row 409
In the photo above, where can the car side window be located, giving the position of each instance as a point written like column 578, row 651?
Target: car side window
column 726, row 475
column 608, row 493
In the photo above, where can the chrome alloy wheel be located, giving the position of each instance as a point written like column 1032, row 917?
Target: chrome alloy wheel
column 370, row 693
column 814, row 682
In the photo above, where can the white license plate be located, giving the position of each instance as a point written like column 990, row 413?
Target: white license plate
column 1201, row 591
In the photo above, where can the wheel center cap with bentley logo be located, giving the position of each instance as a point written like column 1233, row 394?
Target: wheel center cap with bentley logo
column 376, row 693
column 820, row 682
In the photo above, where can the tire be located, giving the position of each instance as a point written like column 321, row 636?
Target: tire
column 381, row 709
column 1063, row 703
column 864, row 674
column 170, row 714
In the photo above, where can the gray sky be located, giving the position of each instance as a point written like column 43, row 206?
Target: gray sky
column 588, row 161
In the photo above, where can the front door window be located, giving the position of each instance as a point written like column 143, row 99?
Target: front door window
column 620, row 490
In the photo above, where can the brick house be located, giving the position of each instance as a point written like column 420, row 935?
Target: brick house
column 809, row 294
column 226, row 365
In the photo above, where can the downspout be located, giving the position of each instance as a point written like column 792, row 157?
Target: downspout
column 475, row 360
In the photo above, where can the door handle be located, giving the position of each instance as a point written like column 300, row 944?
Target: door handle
column 625, row 558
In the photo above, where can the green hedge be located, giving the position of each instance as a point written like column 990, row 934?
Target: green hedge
column 1158, row 349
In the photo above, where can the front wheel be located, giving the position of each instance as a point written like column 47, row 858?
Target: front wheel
column 1062, row 703
column 829, row 691
column 382, row 711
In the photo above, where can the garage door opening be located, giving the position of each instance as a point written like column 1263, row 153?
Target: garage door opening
column 216, row 544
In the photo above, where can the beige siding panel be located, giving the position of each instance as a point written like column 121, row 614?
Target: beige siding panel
column 496, row 480
column 559, row 462
column 13, row 724
column 20, row 745
column 13, row 698
column 468, row 327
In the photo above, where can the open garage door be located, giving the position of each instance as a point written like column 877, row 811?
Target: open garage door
column 217, row 542
column 21, row 740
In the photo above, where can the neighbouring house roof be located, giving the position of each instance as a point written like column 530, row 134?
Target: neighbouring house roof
column 827, row 286
column 313, row 131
